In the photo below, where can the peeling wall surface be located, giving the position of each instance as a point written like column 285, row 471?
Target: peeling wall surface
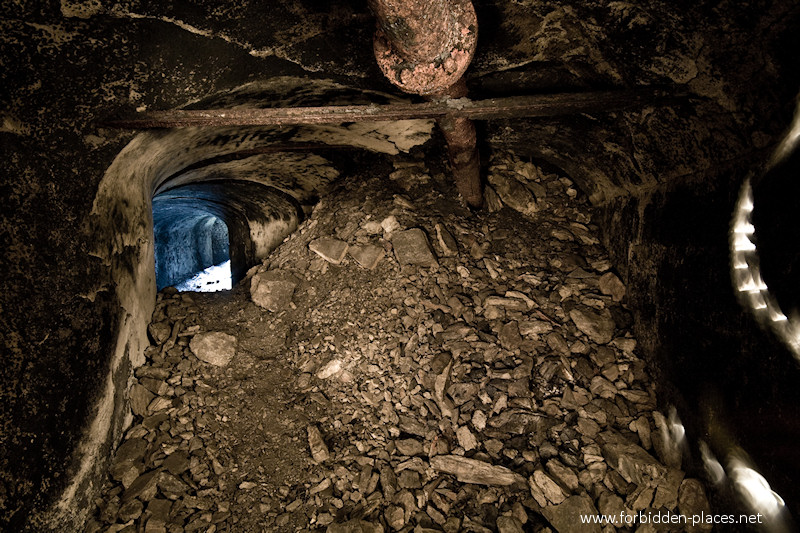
column 76, row 207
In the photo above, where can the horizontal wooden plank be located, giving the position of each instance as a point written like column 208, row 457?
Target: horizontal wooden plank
column 544, row 105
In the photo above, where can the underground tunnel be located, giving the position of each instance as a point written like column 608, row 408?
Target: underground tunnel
column 505, row 283
column 189, row 239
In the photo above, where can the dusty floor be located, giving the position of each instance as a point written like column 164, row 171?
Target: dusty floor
column 491, row 385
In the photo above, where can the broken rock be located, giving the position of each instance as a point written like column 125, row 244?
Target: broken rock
column 355, row 526
column 566, row 517
column 411, row 248
column 331, row 250
column 611, row 285
column 509, row 524
column 466, row 439
column 633, row 463
column 513, row 193
column 330, row 369
column 395, row 517
column 599, row 328
column 140, row 398
column 547, row 487
column 367, row 256
column 390, row 224
column 130, row 453
column 272, row 289
column 319, row 450
column 692, row 501
column 215, row 347
column 446, row 241
column 474, row 471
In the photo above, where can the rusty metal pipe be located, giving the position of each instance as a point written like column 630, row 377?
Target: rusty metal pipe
column 540, row 105
column 424, row 46
column 462, row 147
column 418, row 30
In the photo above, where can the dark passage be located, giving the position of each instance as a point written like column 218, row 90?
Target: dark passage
column 190, row 236
column 777, row 198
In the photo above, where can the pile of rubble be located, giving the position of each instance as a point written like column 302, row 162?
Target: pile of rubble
column 169, row 454
column 446, row 371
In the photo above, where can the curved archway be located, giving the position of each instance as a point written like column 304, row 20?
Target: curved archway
column 255, row 218
column 188, row 239
column 218, row 165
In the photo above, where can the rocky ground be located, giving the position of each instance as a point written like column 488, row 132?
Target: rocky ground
column 401, row 364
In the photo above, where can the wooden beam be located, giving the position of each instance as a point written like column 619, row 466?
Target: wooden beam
column 545, row 105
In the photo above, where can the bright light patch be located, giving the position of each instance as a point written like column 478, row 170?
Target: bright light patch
column 214, row 278
column 777, row 316
column 676, row 429
column 743, row 244
column 754, row 489
column 753, row 292
column 790, row 141
column 713, row 467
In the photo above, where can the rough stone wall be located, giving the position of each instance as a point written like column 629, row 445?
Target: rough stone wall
column 666, row 181
column 67, row 67
column 70, row 65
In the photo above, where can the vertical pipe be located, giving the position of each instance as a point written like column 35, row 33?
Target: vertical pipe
column 462, row 149
column 424, row 47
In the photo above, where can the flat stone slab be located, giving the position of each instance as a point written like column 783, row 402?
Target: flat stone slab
column 330, row 369
column 215, row 347
column 273, row 289
column 446, row 241
column 514, row 194
column 319, row 450
column 411, row 248
column 566, row 517
column 367, row 256
column 692, row 501
column 473, row 471
column 129, row 454
column 140, row 398
column 611, row 285
column 544, row 489
column 355, row 526
column 632, row 462
column 599, row 328
column 331, row 250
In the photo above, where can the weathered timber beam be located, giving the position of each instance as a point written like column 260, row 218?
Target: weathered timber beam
column 545, row 105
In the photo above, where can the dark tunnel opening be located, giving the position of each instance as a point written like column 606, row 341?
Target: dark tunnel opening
column 777, row 237
column 190, row 239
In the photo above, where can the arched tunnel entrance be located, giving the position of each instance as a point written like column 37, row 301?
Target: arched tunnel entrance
column 207, row 224
column 189, row 238
column 252, row 179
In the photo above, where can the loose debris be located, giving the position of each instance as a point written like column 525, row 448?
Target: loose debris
column 453, row 372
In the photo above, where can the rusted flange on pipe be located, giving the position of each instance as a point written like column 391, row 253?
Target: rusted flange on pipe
column 424, row 46
column 462, row 149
